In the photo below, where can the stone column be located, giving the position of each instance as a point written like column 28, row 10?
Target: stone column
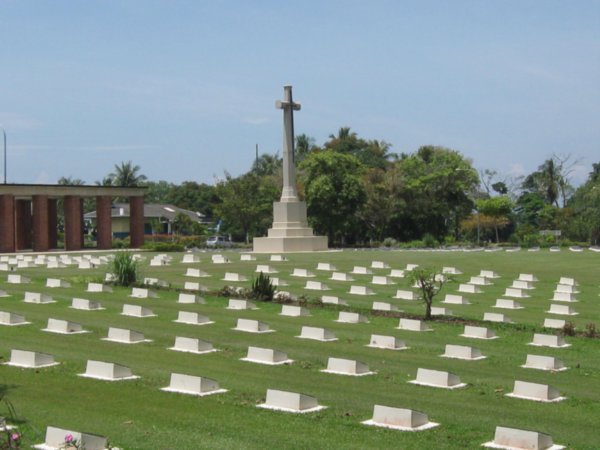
column 22, row 224
column 136, row 222
column 41, row 242
column 52, row 223
column 288, row 193
column 73, row 223
column 7, row 223
column 103, row 222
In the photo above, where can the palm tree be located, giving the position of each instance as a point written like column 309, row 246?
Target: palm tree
column 70, row 181
column 126, row 174
column 267, row 165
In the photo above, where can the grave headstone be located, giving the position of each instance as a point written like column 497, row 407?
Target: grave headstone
column 190, row 258
column 387, row 342
column 462, row 352
column 331, row 300
column 396, row 273
column 294, row 311
column 193, row 385
column 341, row 276
column 302, row 273
column 192, row 318
column 399, row 419
column 136, row 311
column 326, row 267
column 155, row 282
column 290, row 402
column 384, row 306
column 535, row 391
column 405, row 295
column 195, row 273
column 125, row 336
column 515, row 293
column 516, row 439
column 437, row 311
column 437, row 378
column 278, row 258
column 57, row 283
column 451, row 271
column 235, row 303
column 469, row 288
column 30, row 360
column 557, row 324
column 480, row 281
column 541, row 362
column 12, row 319
column 478, row 332
column 192, row 345
column 55, row 439
column 564, row 297
column 193, row 286
column 142, row 293
column 98, row 287
column 107, row 371
column 63, row 327
column 350, row 367
column 381, row 280
column 503, row 303
column 316, row 286
column 379, row 265
column 266, row 356
column 453, row 299
column 317, row 334
column 252, row 326
column 413, row 325
column 351, row 317
column 562, row 310
column 14, row 278
column 360, row 270
column 549, row 340
column 567, row 280
column 189, row 299
column 265, row 269
column 36, row 297
column 520, row 284
column 488, row 274
column 247, row 257
column 85, row 304
column 496, row 317
column 235, row 277
column 527, row 277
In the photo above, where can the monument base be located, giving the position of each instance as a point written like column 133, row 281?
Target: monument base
column 290, row 232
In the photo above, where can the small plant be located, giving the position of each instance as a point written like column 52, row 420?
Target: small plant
column 590, row 330
column 262, row 288
column 430, row 282
column 70, row 443
column 124, row 269
column 568, row 329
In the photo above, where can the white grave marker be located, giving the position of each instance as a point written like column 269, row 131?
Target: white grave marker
column 515, row 439
column 317, row 334
column 399, row 419
column 437, row 378
column 192, row 385
column 266, row 356
column 192, row 345
column 462, row 352
column 107, row 371
column 349, row 367
column 534, row 391
column 252, row 326
column 387, row 342
column 290, row 402
column 30, row 360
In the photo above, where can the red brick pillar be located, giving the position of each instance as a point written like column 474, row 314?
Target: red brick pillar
column 22, row 224
column 7, row 223
column 40, row 223
column 52, row 224
column 73, row 223
column 136, row 222
column 82, row 224
column 103, row 222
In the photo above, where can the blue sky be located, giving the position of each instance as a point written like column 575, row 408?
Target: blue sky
column 186, row 89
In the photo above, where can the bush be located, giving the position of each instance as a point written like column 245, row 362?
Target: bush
column 430, row 241
column 262, row 288
column 590, row 330
column 124, row 269
column 163, row 247
column 390, row 242
column 568, row 329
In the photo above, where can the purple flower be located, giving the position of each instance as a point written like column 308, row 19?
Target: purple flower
column 69, row 438
column 15, row 436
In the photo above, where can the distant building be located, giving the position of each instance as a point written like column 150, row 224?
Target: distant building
column 158, row 218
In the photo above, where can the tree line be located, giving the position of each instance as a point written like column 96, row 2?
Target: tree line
column 359, row 192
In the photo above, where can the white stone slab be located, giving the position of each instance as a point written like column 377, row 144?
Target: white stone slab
column 155, row 282
column 396, row 273
column 219, row 259
column 410, row 267
column 351, row 317
column 275, row 281
column 157, row 262
column 36, row 297
column 562, row 310
column 85, row 304
column 341, row 276
column 566, row 288
column 317, row 334
column 294, row 311
column 85, row 265
column 192, row 318
column 57, row 283
column 549, row 340
column 302, row 273
column 438, row 311
column 557, row 324
column 190, row 258
column 360, row 270
column 266, row 356
column 247, row 257
column 480, row 281
column 326, row 267
column 30, row 360
column 98, row 287
column 192, row 345
column 413, row 325
column 193, row 385
column 64, row 327
column 399, row 419
column 240, row 304
column 125, row 336
column 520, row 284
column 496, row 317
column 235, row 277
column 384, row 306
column 453, row 299
column 488, row 274
column 515, row 293
column 451, row 271
column 534, row 391
column 478, row 333
column 3, row 293
column 142, row 293
column 527, row 277
column 15, row 278
column 284, row 296
column 360, row 290
column 194, row 286
column 190, row 299
column 515, row 439
column 196, row 273
column 349, row 367
column 55, row 439
column 567, row 280
column 316, row 286
column 544, row 363
column 379, row 265
column 12, row 319
column 564, row 297
column 462, row 352
column 252, row 326
column 437, row 378
column 136, row 311
column 290, row 402
column 331, row 300
column 387, row 342
column 107, row 371
column 381, row 280
column 406, row 295
column 469, row 288
column 264, row 268
column 554, row 249
column 504, row 303
column 278, row 258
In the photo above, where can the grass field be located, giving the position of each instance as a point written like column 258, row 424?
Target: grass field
column 137, row 415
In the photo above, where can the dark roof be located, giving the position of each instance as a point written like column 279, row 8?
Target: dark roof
column 151, row 211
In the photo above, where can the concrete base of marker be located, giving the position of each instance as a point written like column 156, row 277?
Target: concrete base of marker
column 399, row 419
column 193, row 385
column 290, row 402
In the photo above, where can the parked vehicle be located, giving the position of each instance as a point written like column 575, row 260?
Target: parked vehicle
column 218, row 241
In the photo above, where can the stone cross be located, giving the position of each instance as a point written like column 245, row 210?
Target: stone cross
column 289, row 193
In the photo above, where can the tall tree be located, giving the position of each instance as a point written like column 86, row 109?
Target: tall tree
column 267, row 165
column 498, row 208
column 127, row 174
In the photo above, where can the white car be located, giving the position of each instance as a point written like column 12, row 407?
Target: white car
column 218, row 241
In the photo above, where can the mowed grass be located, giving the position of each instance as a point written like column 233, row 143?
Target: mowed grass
column 137, row 415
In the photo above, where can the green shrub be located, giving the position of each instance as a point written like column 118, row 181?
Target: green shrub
column 430, row 241
column 590, row 330
column 163, row 246
column 262, row 288
column 390, row 242
column 124, row 269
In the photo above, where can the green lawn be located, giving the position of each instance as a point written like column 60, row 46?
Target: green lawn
column 137, row 415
